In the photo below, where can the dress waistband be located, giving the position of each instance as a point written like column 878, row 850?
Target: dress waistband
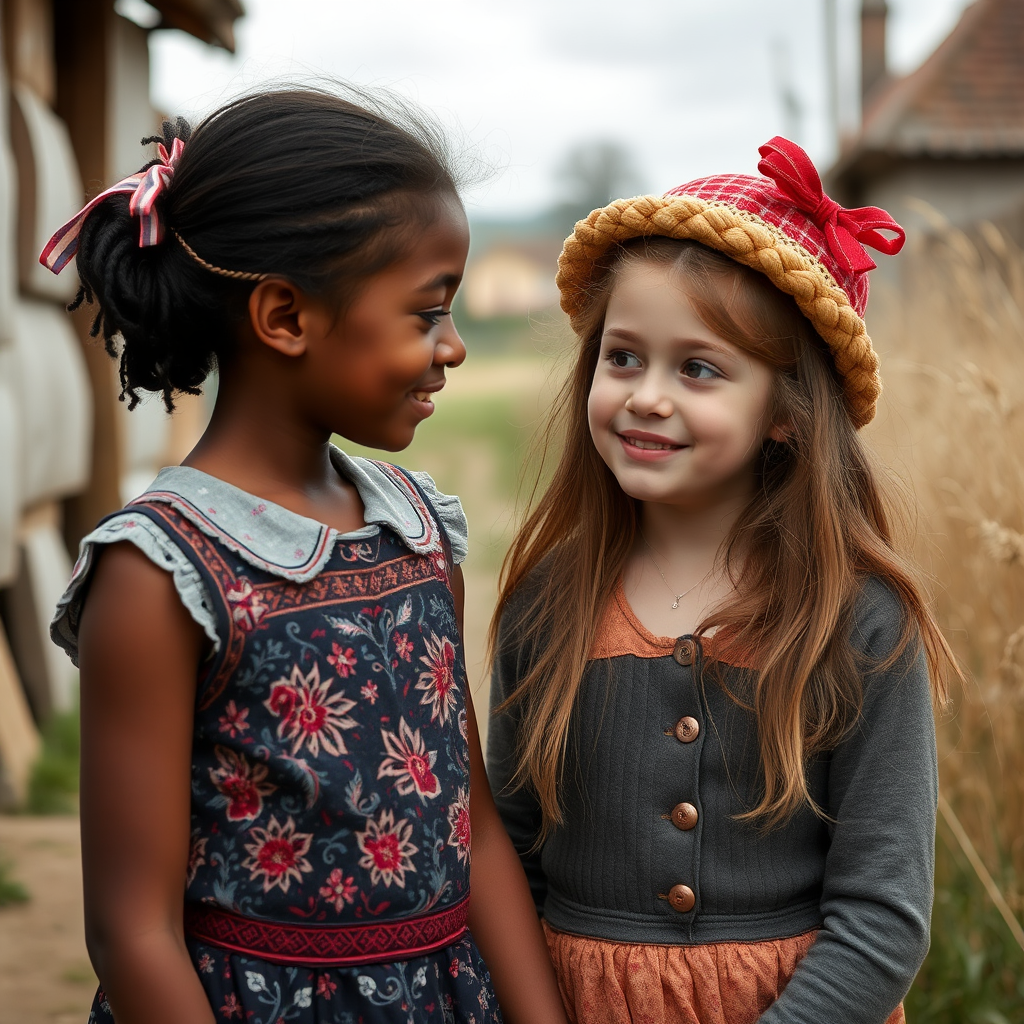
column 344, row 945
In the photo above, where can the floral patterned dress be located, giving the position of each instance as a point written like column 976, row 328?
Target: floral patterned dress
column 330, row 765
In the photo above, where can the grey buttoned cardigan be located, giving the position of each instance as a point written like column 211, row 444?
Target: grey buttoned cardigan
column 622, row 866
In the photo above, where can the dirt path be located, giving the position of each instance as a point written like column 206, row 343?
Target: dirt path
column 45, row 976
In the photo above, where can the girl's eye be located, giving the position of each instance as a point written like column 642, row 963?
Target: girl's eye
column 623, row 360
column 697, row 370
column 434, row 316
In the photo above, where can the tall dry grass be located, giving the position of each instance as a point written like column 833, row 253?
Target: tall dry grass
column 952, row 424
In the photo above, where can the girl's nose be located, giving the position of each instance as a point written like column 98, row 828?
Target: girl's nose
column 649, row 399
column 451, row 349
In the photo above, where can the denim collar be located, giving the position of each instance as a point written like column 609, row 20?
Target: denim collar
column 284, row 543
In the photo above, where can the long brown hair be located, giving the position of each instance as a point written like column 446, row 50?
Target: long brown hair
column 816, row 528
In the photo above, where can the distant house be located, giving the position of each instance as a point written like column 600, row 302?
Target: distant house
column 952, row 132
column 512, row 277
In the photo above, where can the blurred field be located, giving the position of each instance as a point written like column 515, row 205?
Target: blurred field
column 952, row 426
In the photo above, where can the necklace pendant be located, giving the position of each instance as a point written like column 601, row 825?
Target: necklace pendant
column 675, row 603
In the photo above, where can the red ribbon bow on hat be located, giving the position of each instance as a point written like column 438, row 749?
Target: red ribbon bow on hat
column 846, row 231
column 145, row 187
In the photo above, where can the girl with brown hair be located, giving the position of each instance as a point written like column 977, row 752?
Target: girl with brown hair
column 712, row 741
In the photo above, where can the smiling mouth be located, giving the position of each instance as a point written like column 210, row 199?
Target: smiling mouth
column 636, row 442
column 423, row 396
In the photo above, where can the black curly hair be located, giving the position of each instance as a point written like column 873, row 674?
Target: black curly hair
column 301, row 183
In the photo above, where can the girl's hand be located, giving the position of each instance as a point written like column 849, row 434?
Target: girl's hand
column 139, row 652
column 502, row 917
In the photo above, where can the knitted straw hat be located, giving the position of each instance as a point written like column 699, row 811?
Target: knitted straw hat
column 782, row 225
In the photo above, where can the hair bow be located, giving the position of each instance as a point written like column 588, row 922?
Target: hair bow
column 145, row 188
column 846, row 231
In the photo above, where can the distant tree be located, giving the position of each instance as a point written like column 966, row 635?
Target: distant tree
column 591, row 175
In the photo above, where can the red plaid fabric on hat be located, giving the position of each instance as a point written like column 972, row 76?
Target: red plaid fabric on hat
column 790, row 198
column 761, row 197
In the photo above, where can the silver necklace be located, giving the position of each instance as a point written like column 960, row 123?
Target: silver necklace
column 689, row 590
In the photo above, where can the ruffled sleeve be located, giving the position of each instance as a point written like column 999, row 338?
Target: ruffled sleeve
column 159, row 549
column 449, row 512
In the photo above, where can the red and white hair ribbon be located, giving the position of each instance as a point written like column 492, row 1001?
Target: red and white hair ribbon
column 846, row 231
column 145, row 188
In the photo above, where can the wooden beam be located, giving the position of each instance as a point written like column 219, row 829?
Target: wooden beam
column 83, row 34
column 212, row 21
column 28, row 42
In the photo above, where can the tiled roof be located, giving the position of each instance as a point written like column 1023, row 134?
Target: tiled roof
column 966, row 100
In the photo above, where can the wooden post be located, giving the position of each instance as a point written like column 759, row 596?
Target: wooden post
column 82, row 40
column 19, row 738
column 28, row 35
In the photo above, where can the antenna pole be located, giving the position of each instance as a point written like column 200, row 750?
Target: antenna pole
column 832, row 70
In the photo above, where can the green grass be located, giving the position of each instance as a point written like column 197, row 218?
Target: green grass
column 504, row 336
column 974, row 972
column 11, row 891
column 79, row 974
column 53, row 788
column 495, row 421
column 496, row 336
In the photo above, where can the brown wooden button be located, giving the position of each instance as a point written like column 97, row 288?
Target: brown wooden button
column 687, row 729
column 684, row 816
column 681, row 898
column 684, row 651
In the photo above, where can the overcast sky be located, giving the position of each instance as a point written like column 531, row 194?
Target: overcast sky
column 690, row 87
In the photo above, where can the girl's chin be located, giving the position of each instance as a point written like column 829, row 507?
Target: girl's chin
column 394, row 440
column 641, row 489
column 651, row 483
column 654, row 474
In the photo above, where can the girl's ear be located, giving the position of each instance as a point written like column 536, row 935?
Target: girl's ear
column 779, row 432
column 281, row 316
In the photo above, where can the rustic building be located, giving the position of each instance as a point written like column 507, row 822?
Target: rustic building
column 952, row 132
column 74, row 102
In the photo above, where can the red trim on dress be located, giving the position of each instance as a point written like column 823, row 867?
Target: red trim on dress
column 412, row 495
column 346, row 945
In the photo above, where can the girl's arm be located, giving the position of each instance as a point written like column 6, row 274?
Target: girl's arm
column 138, row 653
column 502, row 917
column 877, row 892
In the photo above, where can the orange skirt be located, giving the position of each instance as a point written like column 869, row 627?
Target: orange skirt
column 720, row 983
